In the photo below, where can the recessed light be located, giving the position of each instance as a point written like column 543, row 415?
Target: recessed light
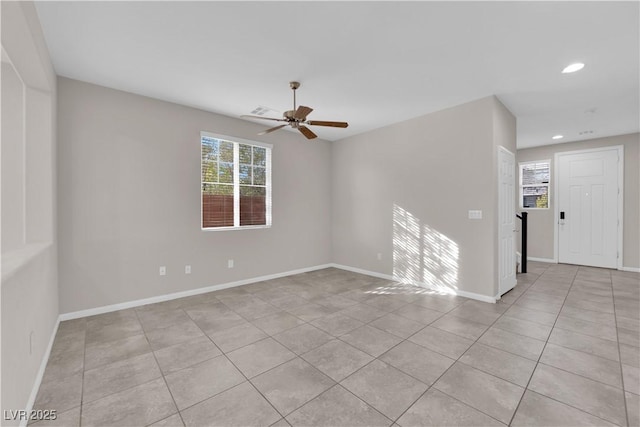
column 557, row 137
column 573, row 68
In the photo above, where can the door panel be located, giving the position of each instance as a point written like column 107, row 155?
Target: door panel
column 506, row 220
column 597, row 219
column 588, row 196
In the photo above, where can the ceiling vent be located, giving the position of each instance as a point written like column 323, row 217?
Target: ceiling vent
column 260, row 110
column 586, row 132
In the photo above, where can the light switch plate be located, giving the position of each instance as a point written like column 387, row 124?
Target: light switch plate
column 475, row 214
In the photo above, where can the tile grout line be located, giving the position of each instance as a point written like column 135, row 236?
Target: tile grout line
column 375, row 357
column 432, row 386
column 581, row 376
column 84, row 358
column 590, row 379
column 489, row 327
column 127, row 388
column 336, row 383
column 159, row 368
column 434, row 382
column 566, row 404
column 144, row 332
column 403, row 340
column 544, row 347
column 146, row 338
column 249, row 380
column 571, row 406
column 222, row 353
column 615, row 318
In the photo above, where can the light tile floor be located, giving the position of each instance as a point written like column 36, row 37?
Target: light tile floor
column 335, row 348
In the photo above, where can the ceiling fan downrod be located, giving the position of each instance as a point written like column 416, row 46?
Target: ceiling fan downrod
column 294, row 86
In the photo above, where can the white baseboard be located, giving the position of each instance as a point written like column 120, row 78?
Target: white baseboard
column 176, row 295
column 40, row 375
column 551, row 261
column 547, row 260
column 461, row 293
column 365, row 272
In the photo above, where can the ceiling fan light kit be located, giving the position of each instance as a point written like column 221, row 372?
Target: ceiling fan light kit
column 297, row 118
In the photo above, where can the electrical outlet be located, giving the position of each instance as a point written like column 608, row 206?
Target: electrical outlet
column 163, row 270
column 187, row 269
column 230, row 263
column 379, row 256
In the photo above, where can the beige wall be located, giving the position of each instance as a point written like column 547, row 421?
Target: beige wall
column 129, row 200
column 403, row 191
column 29, row 291
column 540, row 238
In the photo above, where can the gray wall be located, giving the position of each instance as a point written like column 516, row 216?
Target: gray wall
column 541, row 238
column 29, row 291
column 404, row 191
column 129, row 200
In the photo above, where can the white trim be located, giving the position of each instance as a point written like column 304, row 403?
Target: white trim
column 458, row 292
column 176, row 295
column 521, row 186
column 244, row 227
column 236, row 181
column 234, row 139
column 556, row 237
column 556, row 191
column 361, row 271
column 631, row 269
column 236, row 185
column 269, row 215
column 620, row 204
column 38, row 380
column 501, row 282
column 536, row 259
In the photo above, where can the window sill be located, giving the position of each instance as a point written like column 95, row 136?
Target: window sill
column 13, row 261
column 246, row 227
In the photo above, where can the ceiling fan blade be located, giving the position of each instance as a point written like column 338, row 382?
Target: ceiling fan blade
column 262, row 118
column 264, row 132
column 307, row 132
column 302, row 112
column 330, row 124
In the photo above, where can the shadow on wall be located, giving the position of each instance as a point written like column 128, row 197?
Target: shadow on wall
column 423, row 256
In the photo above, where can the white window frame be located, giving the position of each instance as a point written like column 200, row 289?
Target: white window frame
column 236, row 181
column 521, row 186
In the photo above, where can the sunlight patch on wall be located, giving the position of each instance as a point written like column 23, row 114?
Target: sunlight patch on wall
column 422, row 255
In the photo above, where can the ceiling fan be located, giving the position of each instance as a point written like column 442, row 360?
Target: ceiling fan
column 297, row 118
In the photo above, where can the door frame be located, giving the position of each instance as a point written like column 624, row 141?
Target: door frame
column 515, row 197
column 556, row 192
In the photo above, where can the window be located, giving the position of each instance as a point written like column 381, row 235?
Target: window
column 534, row 184
column 235, row 182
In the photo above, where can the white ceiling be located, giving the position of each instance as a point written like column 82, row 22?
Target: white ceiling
column 368, row 63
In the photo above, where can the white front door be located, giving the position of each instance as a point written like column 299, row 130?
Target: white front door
column 506, row 220
column 588, row 208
